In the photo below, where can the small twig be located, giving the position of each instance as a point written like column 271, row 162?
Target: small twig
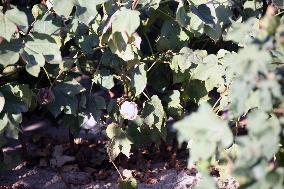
column 152, row 66
column 149, row 43
column 165, row 14
column 213, row 108
column 100, row 47
column 146, row 95
column 47, row 75
column 281, row 12
column 60, row 73
column 120, row 175
column 134, row 4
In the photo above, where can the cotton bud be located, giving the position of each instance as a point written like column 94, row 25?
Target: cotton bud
column 129, row 110
column 45, row 96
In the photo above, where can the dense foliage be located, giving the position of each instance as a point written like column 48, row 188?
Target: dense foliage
column 214, row 66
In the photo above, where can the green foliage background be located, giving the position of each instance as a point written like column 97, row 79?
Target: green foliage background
column 220, row 62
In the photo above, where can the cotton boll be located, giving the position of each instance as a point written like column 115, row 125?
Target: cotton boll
column 129, row 110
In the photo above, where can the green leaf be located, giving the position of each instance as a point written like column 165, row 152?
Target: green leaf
column 104, row 78
column 126, row 20
column 38, row 49
column 88, row 42
column 195, row 91
column 204, row 13
column 63, row 7
column 65, row 99
column 2, row 102
column 34, row 61
column 119, row 144
column 9, row 52
column 3, row 124
column 150, row 3
column 185, row 58
column 153, row 113
column 139, row 78
column 205, row 131
column 181, row 14
column 207, row 182
column 86, row 10
column 174, row 108
column 17, row 98
column 48, row 24
column 9, row 22
column 210, row 72
column 95, row 105
column 113, row 131
column 172, row 37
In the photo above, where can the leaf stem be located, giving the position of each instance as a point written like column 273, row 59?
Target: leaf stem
column 214, row 106
column 149, row 43
column 120, row 175
column 161, row 11
column 281, row 12
column 47, row 75
column 152, row 66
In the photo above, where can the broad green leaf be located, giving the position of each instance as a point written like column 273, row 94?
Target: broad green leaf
column 113, row 131
column 160, row 77
column 34, row 61
column 120, row 144
column 150, row 3
column 17, row 98
column 195, row 91
column 9, row 52
column 104, row 78
column 172, row 37
column 207, row 182
column 45, row 45
column 185, row 58
column 95, row 105
column 204, row 14
column 48, row 24
column 88, row 42
column 153, row 113
column 174, row 108
column 205, row 131
column 3, row 124
column 126, row 20
column 63, row 7
column 38, row 49
column 10, row 21
column 86, row 10
column 65, row 99
column 181, row 14
column 210, row 72
column 139, row 78
column 2, row 102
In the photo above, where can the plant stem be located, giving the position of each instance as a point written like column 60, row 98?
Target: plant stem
column 281, row 12
column 149, row 43
column 47, row 75
column 120, row 175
